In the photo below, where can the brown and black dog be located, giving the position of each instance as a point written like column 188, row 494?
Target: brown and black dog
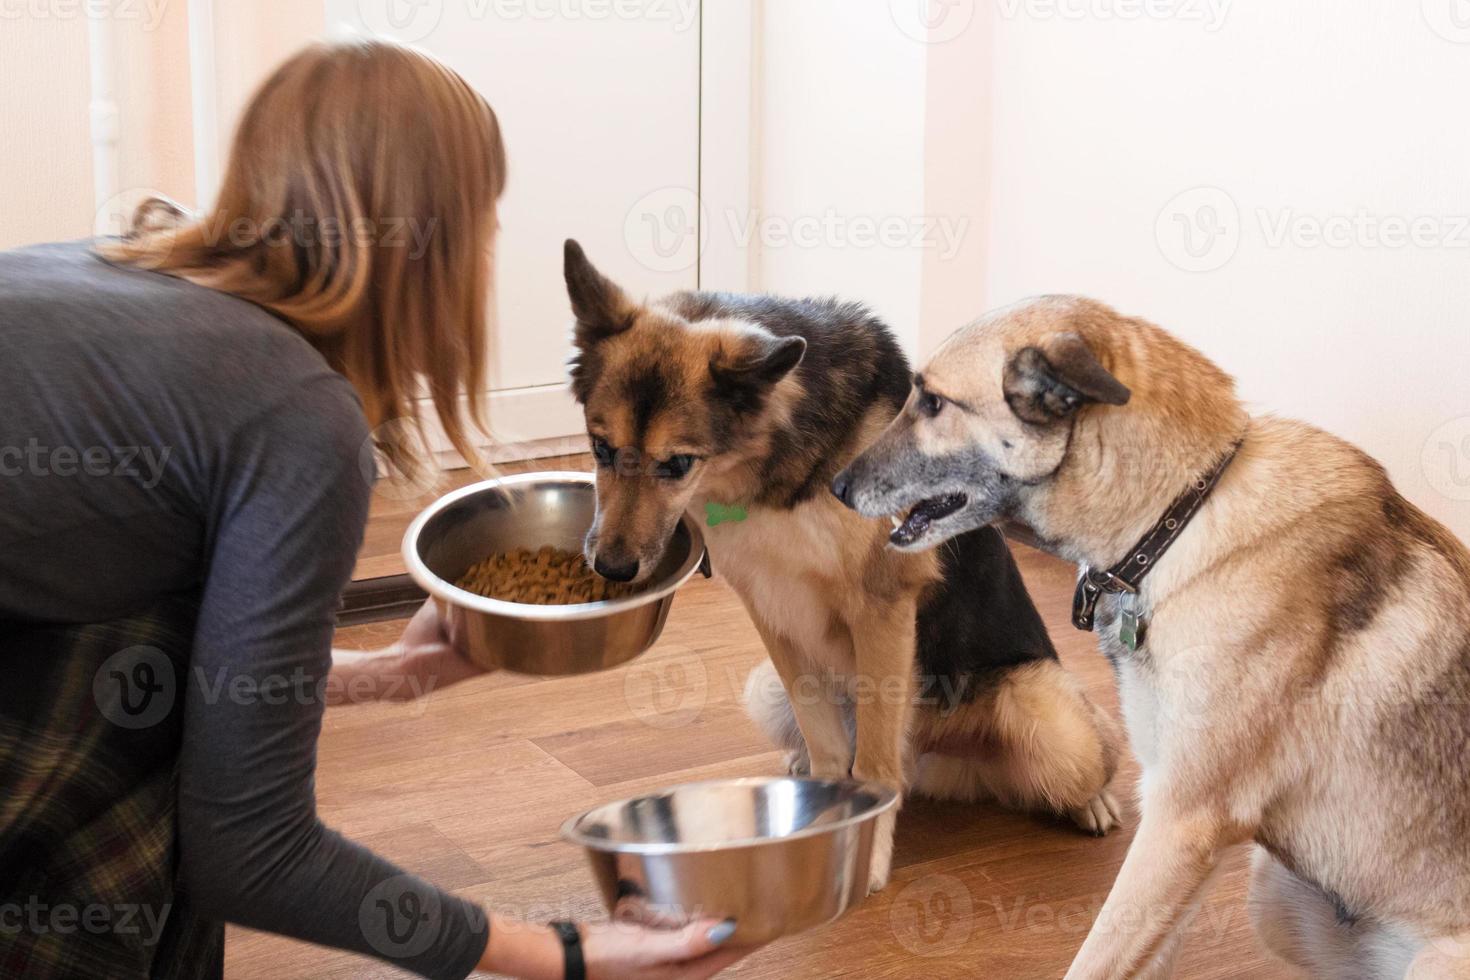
column 1305, row 679
column 928, row 670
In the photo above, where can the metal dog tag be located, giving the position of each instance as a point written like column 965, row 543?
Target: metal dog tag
column 1132, row 626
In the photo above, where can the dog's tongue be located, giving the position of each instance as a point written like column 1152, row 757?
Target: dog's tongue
column 925, row 512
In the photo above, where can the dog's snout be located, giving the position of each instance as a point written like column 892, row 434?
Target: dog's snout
column 616, row 571
column 842, row 487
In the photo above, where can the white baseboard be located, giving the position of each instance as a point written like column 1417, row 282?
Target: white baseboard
column 530, row 414
column 525, row 423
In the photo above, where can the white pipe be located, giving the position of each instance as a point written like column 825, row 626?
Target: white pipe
column 204, row 85
column 757, row 159
column 105, row 124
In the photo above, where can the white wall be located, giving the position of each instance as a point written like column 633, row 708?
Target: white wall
column 958, row 133
column 875, row 114
column 251, row 40
column 1298, row 111
column 46, row 172
column 46, row 167
column 841, row 158
column 1053, row 139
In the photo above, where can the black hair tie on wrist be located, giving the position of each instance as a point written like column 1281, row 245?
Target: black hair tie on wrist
column 571, row 946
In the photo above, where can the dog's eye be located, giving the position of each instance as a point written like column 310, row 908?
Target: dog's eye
column 602, row 452
column 930, row 404
column 673, row 468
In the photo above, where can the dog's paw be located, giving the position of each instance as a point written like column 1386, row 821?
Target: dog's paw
column 1098, row 815
column 798, row 763
column 881, row 865
column 877, row 882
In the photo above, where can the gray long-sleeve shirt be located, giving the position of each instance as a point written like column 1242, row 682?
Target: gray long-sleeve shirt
column 159, row 438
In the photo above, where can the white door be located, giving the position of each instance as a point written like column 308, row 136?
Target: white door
column 599, row 104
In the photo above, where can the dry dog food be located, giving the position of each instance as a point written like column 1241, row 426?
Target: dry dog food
column 548, row 577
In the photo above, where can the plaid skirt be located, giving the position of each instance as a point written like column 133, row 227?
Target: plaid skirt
column 90, row 726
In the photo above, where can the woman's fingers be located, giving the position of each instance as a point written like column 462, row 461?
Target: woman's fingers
column 428, row 654
column 453, row 629
column 703, row 937
column 426, row 627
column 636, row 910
column 618, row 950
column 662, row 946
column 706, row 966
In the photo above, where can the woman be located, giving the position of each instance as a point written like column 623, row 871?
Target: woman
column 183, row 496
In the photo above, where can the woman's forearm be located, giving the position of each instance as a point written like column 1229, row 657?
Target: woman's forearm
column 522, row 950
column 360, row 676
column 422, row 661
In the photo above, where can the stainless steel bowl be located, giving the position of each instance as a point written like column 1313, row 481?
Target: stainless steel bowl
column 529, row 511
column 776, row 855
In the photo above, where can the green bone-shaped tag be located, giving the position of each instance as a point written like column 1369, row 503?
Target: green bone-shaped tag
column 717, row 514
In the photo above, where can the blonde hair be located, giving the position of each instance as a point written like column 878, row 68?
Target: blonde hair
column 359, row 205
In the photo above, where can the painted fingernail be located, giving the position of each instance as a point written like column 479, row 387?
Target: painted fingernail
column 721, row 933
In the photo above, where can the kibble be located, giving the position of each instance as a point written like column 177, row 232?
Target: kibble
column 547, row 577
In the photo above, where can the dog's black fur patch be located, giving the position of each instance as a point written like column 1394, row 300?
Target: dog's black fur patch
column 1365, row 576
column 977, row 621
column 648, row 392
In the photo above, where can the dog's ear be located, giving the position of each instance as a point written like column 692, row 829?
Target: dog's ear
column 1045, row 385
column 601, row 308
column 758, row 364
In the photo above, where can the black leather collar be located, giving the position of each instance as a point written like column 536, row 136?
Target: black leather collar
column 1126, row 576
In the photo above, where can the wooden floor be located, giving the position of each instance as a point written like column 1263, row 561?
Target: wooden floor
column 470, row 788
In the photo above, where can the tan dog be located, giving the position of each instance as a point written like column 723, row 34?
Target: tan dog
column 931, row 671
column 1305, row 680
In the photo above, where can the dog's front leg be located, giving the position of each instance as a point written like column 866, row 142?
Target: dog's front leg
column 883, row 642
column 819, row 710
column 1172, row 857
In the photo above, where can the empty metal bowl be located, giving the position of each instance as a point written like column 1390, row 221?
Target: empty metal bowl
column 776, row 855
column 528, row 511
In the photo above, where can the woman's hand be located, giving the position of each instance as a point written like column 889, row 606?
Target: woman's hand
column 618, row 950
column 425, row 659
column 613, row 951
column 428, row 650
